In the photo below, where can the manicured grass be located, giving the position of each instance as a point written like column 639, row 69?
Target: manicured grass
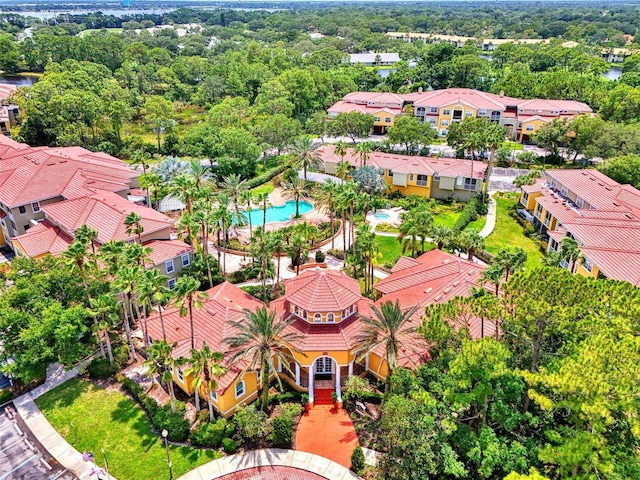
column 90, row 418
column 265, row 187
column 391, row 249
column 512, row 145
column 447, row 216
column 508, row 232
column 477, row 224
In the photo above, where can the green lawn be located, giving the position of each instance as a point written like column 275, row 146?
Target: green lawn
column 265, row 187
column 108, row 419
column 477, row 224
column 447, row 216
column 391, row 249
column 508, row 232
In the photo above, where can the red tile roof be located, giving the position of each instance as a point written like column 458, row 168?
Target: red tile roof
column 226, row 303
column 163, row 250
column 322, row 290
column 35, row 174
column 447, row 167
column 44, row 238
column 616, row 264
column 6, row 90
column 465, row 96
column 8, row 146
column 105, row 212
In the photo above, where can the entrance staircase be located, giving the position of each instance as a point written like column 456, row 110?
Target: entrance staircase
column 322, row 396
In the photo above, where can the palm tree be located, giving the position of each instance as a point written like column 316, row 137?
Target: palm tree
column 296, row 189
column 262, row 250
column 160, row 360
column 363, row 150
column 305, row 155
column 277, row 241
column 571, row 252
column 552, row 259
column 136, row 254
column 325, row 194
column 111, row 253
column 154, row 180
column 389, row 327
column 246, row 197
column 76, row 257
column 343, row 169
column 184, row 188
column 233, row 185
column 103, row 310
column 200, row 174
column 126, row 282
column 87, row 236
column 258, row 339
column 470, row 241
column 134, row 226
column 340, row 149
column 262, row 198
column 188, row 297
column 493, row 274
column 205, row 367
column 441, row 235
column 510, row 260
column 155, row 289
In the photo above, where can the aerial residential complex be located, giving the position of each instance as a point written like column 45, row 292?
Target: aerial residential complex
column 602, row 215
column 440, row 108
column 428, row 177
column 46, row 194
column 326, row 306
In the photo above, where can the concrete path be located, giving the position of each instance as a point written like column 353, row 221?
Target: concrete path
column 370, row 456
column 270, row 457
column 490, row 223
column 317, row 177
column 50, row 439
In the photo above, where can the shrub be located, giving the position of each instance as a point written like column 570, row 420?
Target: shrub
column 209, row 434
column 174, row 423
column 283, row 424
column 356, row 388
column 101, row 368
column 319, row 256
column 132, row 386
column 5, row 395
column 357, row 460
column 229, row 446
column 264, row 178
column 470, row 212
column 386, row 227
column 336, row 252
column 285, row 397
column 251, row 423
column 231, row 428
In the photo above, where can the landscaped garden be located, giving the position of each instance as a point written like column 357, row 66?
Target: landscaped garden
column 93, row 418
column 508, row 232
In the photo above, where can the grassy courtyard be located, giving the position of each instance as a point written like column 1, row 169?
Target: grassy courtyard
column 90, row 418
column 508, row 232
column 391, row 249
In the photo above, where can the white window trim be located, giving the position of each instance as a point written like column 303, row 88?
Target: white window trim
column 376, row 119
column 579, row 202
column 171, row 283
column 244, row 389
column 188, row 258
column 214, row 396
column 35, row 206
column 180, row 375
column 169, row 263
column 529, row 128
column 331, row 318
column 317, row 318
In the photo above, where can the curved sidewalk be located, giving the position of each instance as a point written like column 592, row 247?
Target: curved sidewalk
column 270, row 457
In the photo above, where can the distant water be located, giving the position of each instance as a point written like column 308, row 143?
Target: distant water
column 45, row 14
column 614, row 73
column 20, row 80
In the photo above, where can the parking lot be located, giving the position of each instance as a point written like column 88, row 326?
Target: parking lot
column 22, row 457
column 502, row 179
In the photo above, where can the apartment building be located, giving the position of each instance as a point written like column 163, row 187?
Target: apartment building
column 428, row 177
column 602, row 215
column 442, row 108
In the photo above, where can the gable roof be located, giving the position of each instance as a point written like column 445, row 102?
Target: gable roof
column 105, row 212
column 34, row 174
column 43, row 238
column 164, row 250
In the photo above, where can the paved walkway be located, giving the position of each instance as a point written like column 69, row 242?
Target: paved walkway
column 329, row 432
column 50, row 439
column 490, row 223
column 273, row 457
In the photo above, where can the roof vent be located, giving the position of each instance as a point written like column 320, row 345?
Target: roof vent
column 428, row 290
column 438, row 298
column 456, row 283
column 470, row 272
column 446, row 260
column 420, row 90
column 501, row 93
column 447, row 290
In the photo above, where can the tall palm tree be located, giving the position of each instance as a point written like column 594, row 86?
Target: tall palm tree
column 257, row 340
column 246, row 198
column 262, row 250
column 343, row 169
column 262, row 198
column 183, row 186
column 125, row 283
column 200, row 174
column 188, row 297
column 325, row 194
column 340, row 149
column 133, row 222
column 363, row 150
column 136, row 254
column 103, row 311
column 152, row 180
column 277, row 241
column 111, row 253
column 206, row 366
column 296, row 189
column 155, row 289
column 441, row 235
column 233, row 185
column 160, row 360
column 390, row 327
column 87, row 236
column 470, row 241
column 571, row 252
column 305, row 155
column 510, row 260
column 493, row 275
column 76, row 258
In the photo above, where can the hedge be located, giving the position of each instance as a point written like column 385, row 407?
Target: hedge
column 470, row 212
column 265, row 177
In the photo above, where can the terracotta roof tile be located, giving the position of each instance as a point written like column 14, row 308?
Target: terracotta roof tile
column 322, row 291
column 163, row 250
column 44, row 238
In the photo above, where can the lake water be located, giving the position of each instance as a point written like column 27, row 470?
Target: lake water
column 20, row 80
column 282, row 213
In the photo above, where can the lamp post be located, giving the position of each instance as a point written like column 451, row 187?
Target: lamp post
column 166, row 444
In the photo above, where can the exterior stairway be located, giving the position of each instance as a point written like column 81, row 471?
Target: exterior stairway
column 322, row 396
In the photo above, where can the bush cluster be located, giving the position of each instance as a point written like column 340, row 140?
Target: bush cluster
column 101, row 368
column 283, row 423
column 209, row 434
column 357, row 460
column 5, row 395
column 320, row 256
column 336, row 252
column 470, row 212
column 386, row 227
column 265, row 177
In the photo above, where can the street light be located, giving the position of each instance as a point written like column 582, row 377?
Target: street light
column 166, row 444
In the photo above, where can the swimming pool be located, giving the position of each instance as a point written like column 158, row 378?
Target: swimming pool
column 281, row 213
column 381, row 216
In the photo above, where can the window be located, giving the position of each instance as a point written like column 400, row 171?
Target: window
column 553, row 245
column 525, row 198
column 422, row 180
column 411, row 177
column 304, row 314
column 351, row 309
column 180, row 375
column 258, row 376
column 446, row 111
column 538, row 211
column 469, row 113
column 150, row 340
column 387, row 119
column 317, row 318
column 445, row 123
column 170, row 267
column 390, row 173
column 171, row 283
column 587, row 265
column 185, row 260
column 547, row 219
column 470, row 183
column 495, row 115
column 22, row 209
column 13, row 225
column 443, row 132
column 529, row 128
column 433, row 109
column 331, row 317
column 324, row 365
column 420, row 111
column 214, row 396
column 27, row 227
column 296, row 310
column 35, row 206
column 240, row 389
column 579, row 202
column 482, row 113
column 377, row 119
column 564, row 191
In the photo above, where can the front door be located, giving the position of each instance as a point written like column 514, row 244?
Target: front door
column 324, row 368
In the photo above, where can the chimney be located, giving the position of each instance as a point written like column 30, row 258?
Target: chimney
column 420, row 90
column 501, row 93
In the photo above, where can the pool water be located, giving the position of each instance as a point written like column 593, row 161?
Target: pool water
column 381, row 216
column 281, row 213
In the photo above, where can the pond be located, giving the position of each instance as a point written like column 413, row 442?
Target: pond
column 282, row 213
